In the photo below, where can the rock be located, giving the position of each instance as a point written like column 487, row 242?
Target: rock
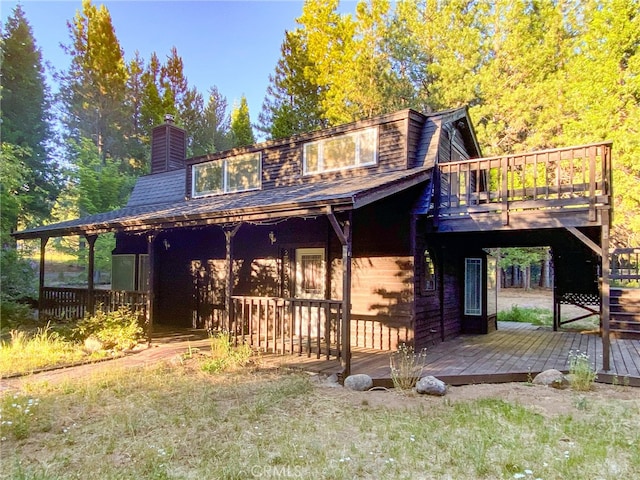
column 359, row 382
column 92, row 344
column 430, row 385
column 324, row 381
column 551, row 378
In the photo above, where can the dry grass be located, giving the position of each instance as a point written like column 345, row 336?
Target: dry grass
column 177, row 422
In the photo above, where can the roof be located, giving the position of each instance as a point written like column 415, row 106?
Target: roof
column 257, row 205
column 158, row 201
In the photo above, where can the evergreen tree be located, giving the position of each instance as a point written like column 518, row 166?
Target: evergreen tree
column 26, row 135
column 241, row 130
column 292, row 103
column 93, row 90
column 214, row 135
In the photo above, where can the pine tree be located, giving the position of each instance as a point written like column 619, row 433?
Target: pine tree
column 241, row 130
column 93, row 90
column 214, row 134
column 24, row 109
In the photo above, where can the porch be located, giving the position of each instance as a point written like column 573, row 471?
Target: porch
column 516, row 352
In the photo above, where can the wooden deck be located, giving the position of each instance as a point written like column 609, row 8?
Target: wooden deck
column 515, row 352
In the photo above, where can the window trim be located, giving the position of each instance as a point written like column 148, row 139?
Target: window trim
column 428, row 286
column 225, row 176
column 478, row 264
column 357, row 162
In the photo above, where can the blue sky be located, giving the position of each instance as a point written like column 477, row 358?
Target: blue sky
column 233, row 45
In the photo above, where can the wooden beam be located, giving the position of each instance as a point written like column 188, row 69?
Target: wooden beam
column 229, row 233
column 336, row 226
column 605, row 291
column 151, row 295
column 587, row 241
column 43, row 244
column 91, row 304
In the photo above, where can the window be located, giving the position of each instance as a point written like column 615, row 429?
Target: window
column 429, row 275
column 473, row 286
column 235, row 174
column 123, row 268
column 310, row 273
column 338, row 153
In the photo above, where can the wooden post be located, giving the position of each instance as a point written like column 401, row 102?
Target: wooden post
column 504, row 166
column 229, row 233
column 604, row 293
column 151, row 237
column 345, row 236
column 43, row 244
column 91, row 304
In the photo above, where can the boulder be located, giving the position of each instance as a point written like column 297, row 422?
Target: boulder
column 551, row 378
column 359, row 382
column 430, row 385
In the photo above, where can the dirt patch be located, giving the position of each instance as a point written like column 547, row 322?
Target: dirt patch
column 547, row 401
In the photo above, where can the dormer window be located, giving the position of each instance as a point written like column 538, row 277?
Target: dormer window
column 358, row 149
column 227, row 175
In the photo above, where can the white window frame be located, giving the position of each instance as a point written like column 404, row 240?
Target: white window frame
column 357, row 161
column 473, row 298
column 225, row 176
column 300, row 254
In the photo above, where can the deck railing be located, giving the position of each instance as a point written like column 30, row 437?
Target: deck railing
column 625, row 267
column 72, row 303
column 561, row 178
column 288, row 325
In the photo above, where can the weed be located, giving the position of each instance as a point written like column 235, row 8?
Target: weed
column 407, row 367
column 582, row 373
column 16, row 413
column 224, row 356
column 534, row 315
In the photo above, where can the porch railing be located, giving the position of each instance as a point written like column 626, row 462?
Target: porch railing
column 288, row 325
column 560, row 178
column 625, row 267
column 72, row 303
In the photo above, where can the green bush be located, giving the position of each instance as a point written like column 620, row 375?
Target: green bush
column 17, row 281
column 583, row 374
column 117, row 330
column 533, row 315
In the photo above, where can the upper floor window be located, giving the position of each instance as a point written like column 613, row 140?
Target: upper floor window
column 351, row 150
column 234, row 174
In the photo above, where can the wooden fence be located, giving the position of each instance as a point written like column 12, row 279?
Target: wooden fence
column 625, row 267
column 288, row 325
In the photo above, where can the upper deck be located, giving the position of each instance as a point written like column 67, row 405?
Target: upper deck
column 563, row 187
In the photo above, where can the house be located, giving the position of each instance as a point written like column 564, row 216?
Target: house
column 368, row 235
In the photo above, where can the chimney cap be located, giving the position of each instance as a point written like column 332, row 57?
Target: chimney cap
column 168, row 118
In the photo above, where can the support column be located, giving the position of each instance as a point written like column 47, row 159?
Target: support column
column 91, row 303
column 604, row 290
column 43, row 244
column 151, row 293
column 345, row 236
column 229, row 233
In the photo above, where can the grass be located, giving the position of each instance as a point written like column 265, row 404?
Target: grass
column 176, row 422
column 533, row 315
column 25, row 353
column 406, row 367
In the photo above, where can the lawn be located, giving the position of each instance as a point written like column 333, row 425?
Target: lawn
column 174, row 421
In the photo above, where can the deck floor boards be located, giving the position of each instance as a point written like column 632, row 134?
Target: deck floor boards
column 514, row 351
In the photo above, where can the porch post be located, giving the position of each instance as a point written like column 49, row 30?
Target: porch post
column 229, row 233
column 604, row 292
column 345, row 237
column 151, row 295
column 91, row 240
column 43, row 244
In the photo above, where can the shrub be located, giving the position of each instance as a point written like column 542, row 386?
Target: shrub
column 17, row 278
column 582, row 373
column 117, row 330
column 533, row 315
column 224, row 356
column 407, row 366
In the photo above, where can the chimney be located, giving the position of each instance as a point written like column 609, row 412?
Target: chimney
column 168, row 146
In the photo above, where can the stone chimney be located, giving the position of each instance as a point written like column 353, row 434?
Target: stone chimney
column 168, row 146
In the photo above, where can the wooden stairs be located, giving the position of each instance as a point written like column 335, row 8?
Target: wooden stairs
column 624, row 312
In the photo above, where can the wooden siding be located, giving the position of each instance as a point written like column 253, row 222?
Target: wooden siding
column 168, row 148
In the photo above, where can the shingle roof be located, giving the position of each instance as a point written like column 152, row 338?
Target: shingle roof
column 166, row 187
column 298, row 200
